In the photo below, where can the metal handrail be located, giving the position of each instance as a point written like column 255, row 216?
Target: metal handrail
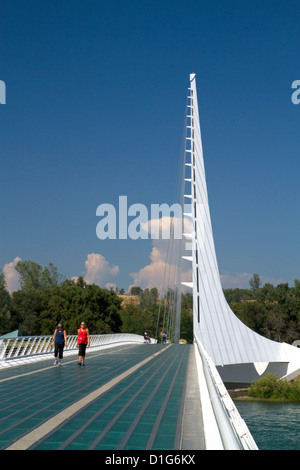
column 37, row 346
column 233, row 430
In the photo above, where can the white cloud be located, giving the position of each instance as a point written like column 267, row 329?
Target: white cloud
column 161, row 271
column 12, row 276
column 167, row 227
column 151, row 275
column 98, row 270
column 160, row 268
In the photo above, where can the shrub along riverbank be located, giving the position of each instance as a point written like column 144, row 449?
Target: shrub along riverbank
column 271, row 388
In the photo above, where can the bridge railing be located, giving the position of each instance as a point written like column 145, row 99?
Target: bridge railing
column 25, row 348
column 234, row 432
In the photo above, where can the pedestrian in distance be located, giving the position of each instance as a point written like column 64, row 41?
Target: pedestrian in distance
column 146, row 338
column 82, row 342
column 164, row 338
column 60, row 341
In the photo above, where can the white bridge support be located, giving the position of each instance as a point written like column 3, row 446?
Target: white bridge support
column 227, row 351
column 240, row 354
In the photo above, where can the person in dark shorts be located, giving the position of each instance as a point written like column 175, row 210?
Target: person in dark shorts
column 60, row 341
column 83, row 341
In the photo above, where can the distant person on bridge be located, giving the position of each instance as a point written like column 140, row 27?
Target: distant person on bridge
column 164, row 338
column 83, row 341
column 146, row 337
column 60, row 340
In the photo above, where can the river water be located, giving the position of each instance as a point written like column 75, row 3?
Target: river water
column 274, row 426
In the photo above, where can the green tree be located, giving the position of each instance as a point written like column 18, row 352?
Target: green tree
column 148, row 297
column 135, row 290
column 5, row 307
column 71, row 303
column 252, row 314
column 272, row 388
column 44, row 300
column 137, row 320
column 26, row 307
column 33, row 276
column 134, row 320
column 187, row 301
column 255, row 282
column 186, row 326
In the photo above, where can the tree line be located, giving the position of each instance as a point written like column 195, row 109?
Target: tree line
column 271, row 311
column 46, row 298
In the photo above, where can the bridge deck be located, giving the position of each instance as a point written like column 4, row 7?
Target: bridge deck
column 128, row 397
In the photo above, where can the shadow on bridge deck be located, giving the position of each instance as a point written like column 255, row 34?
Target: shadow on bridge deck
column 128, row 397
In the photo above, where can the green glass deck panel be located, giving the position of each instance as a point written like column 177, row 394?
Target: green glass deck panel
column 142, row 408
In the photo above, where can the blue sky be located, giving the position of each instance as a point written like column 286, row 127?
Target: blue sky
column 96, row 95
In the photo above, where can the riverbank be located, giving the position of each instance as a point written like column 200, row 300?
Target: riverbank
column 269, row 388
column 241, row 394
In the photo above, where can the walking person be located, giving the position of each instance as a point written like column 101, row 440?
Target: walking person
column 146, row 338
column 60, row 340
column 83, row 341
